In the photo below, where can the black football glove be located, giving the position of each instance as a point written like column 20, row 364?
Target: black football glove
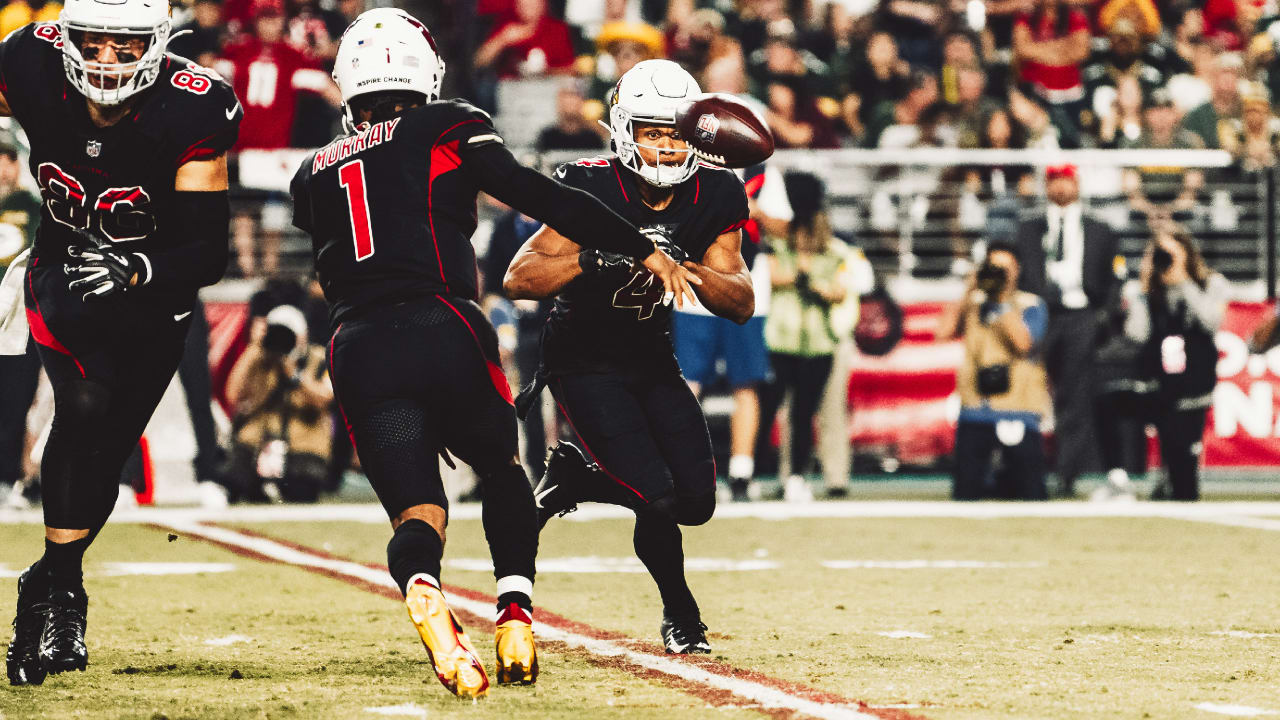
column 103, row 271
column 665, row 243
column 598, row 261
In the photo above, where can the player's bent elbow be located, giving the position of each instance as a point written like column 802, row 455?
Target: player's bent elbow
column 743, row 312
column 517, row 286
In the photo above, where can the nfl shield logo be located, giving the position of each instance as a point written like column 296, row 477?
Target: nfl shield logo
column 93, row 149
column 708, row 126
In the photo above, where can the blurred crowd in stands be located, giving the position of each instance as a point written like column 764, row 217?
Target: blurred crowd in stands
column 888, row 74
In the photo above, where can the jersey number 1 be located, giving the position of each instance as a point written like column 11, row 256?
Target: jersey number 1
column 351, row 177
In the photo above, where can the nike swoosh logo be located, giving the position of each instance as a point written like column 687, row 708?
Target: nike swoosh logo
column 232, row 112
column 539, row 493
column 182, row 316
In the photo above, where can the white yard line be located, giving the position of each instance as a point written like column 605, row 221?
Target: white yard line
column 594, row 564
column 405, row 710
column 1223, row 512
column 1235, row 710
column 926, row 564
column 758, row 693
column 1244, row 521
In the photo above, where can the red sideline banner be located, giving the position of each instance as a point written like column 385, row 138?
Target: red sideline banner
column 904, row 405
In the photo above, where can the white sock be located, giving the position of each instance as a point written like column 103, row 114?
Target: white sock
column 424, row 578
column 515, row 583
column 1118, row 477
column 742, row 466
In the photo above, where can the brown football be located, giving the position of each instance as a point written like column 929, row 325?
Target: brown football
column 724, row 131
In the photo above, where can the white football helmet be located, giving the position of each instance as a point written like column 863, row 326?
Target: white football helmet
column 113, row 83
column 650, row 92
column 386, row 49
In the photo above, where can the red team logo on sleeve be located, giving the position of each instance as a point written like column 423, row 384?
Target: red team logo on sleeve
column 49, row 32
column 194, row 79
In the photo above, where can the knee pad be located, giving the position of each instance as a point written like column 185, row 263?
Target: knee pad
column 695, row 509
column 664, row 508
column 81, row 402
column 682, row 509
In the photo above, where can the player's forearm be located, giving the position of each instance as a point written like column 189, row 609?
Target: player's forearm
column 573, row 213
column 728, row 295
column 534, row 276
column 201, row 259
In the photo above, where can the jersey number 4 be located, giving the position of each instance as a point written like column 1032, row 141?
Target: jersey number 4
column 643, row 293
column 351, row 177
column 120, row 214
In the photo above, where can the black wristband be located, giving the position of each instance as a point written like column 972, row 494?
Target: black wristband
column 592, row 260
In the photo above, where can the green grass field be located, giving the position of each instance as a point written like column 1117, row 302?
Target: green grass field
column 1061, row 618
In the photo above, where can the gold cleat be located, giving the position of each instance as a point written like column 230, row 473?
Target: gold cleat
column 452, row 654
column 517, row 657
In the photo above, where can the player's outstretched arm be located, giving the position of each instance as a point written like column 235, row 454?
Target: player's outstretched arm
column 548, row 261
column 726, row 282
column 198, row 256
column 574, row 214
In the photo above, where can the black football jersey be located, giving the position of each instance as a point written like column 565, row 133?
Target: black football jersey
column 615, row 319
column 389, row 212
column 116, row 182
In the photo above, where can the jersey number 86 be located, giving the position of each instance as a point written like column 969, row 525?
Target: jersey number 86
column 119, row 214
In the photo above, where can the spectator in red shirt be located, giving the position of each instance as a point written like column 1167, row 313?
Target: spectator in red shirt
column 531, row 43
column 794, row 116
column 1222, row 24
column 267, row 74
column 1050, row 44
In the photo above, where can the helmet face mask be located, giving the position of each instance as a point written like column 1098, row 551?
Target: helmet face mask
column 137, row 33
column 386, row 49
column 648, row 94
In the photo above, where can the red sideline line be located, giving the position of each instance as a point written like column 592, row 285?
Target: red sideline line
column 710, row 695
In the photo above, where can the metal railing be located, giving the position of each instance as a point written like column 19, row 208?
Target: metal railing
column 918, row 214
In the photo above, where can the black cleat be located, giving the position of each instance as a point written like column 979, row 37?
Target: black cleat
column 557, row 491
column 738, row 489
column 62, row 643
column 685, row 635
column 22, row 662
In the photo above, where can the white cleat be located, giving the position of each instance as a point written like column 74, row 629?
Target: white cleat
column 795, row 489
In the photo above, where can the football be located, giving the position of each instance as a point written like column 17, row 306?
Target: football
column 725, row 131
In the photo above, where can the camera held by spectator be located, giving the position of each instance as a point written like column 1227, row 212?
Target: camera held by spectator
column 281, row 394
column 1002, row 383
column 1170, row 315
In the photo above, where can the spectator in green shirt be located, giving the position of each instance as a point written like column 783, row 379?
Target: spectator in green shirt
column 19, row 209
column 1206, row 119
column 809, row 269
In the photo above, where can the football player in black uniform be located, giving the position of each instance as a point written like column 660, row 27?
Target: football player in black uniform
column 391, row 208
column 607, row 351
column 128, row 145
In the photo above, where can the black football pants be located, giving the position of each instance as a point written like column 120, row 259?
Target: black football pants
column 109, row 363
column 647, row 433
column 420, row 377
